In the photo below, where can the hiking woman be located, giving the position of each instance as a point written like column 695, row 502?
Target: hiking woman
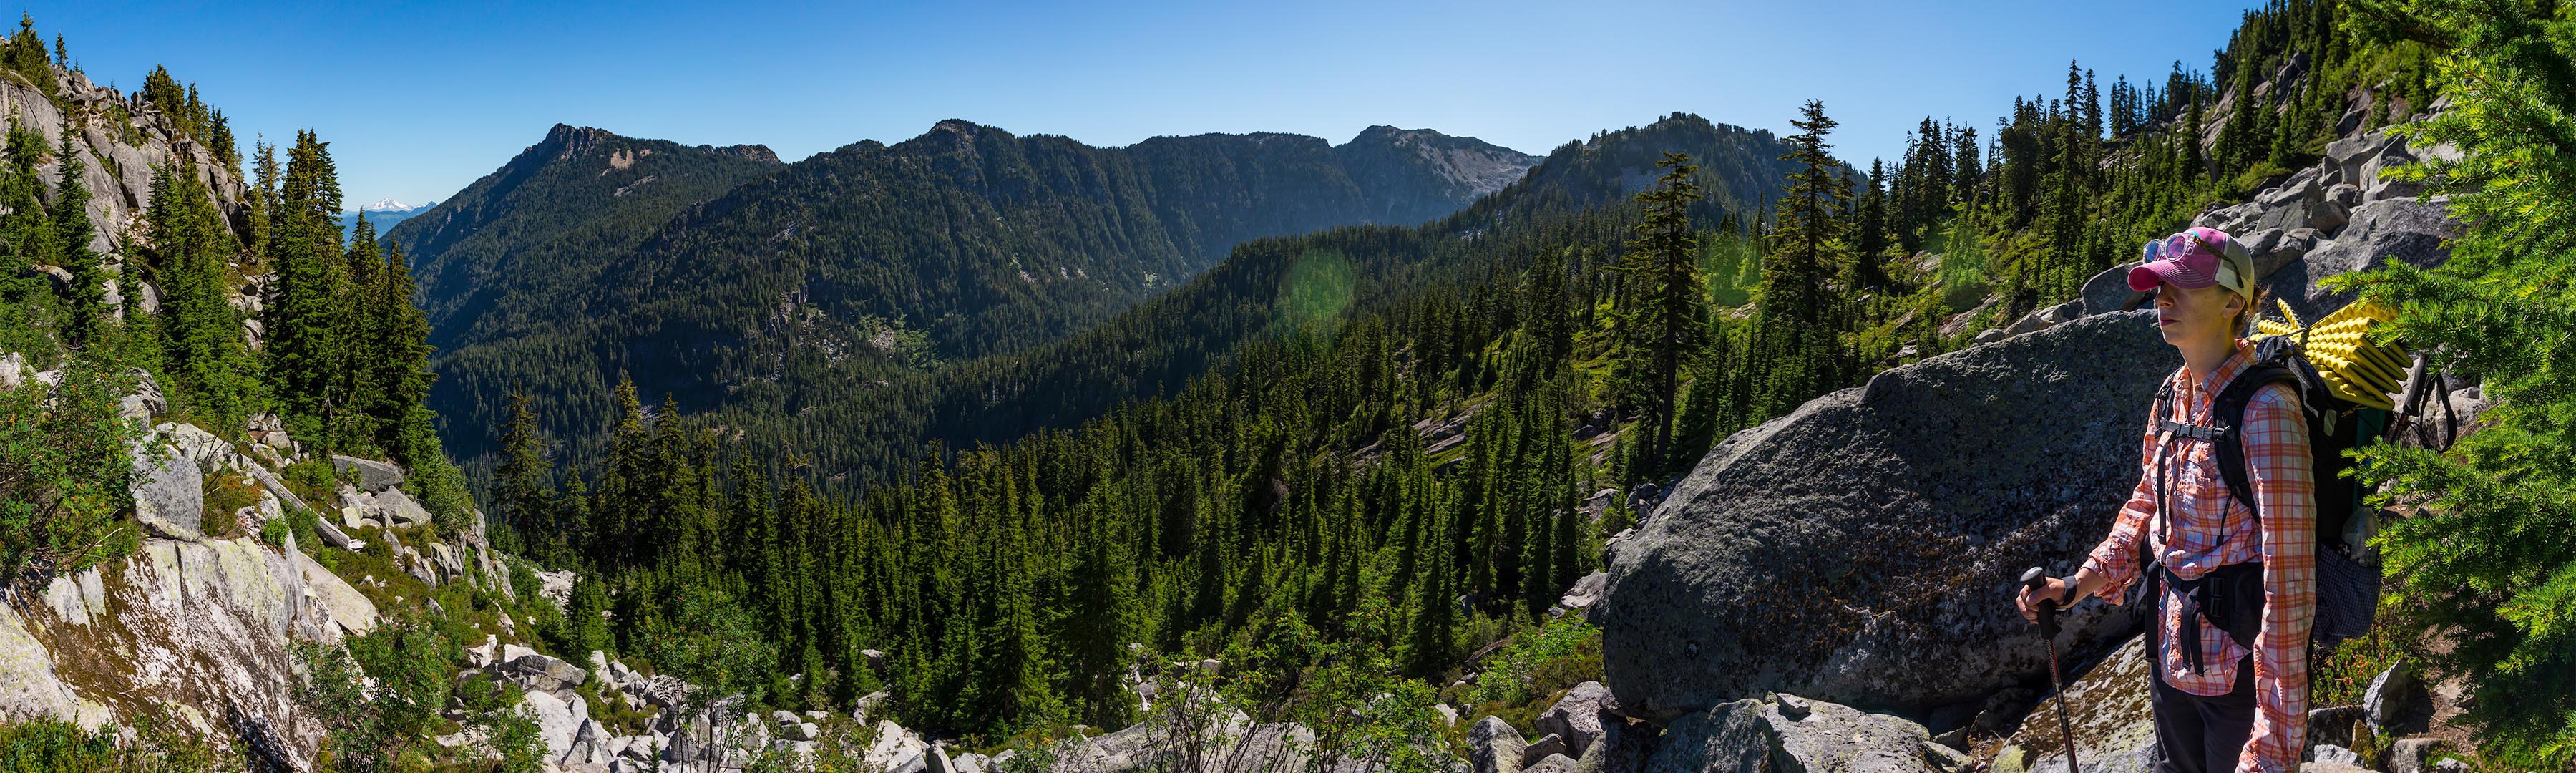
column 2223, row 701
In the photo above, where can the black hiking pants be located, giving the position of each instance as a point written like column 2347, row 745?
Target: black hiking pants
column 2198, row 733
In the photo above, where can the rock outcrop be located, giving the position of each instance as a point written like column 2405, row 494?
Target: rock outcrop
column 197, row 629
column 120, row 155
column 1862, row 549
column 2115, row 729
column 1792, row 734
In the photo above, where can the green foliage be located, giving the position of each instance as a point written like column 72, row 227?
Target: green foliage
column 508, row 727
column 2491, row 553
column 63, row 473
column 381, row 693
column 581, row 628
column 225, row 495
column 87, row 293
column 1539, row 662
column 216, row 376
column 1658, row 311
column 24, row 55
column 442, row 490
column 55, row 746
column 711, row 642
column 305, row 252
column 302, row 523
column 313, row 479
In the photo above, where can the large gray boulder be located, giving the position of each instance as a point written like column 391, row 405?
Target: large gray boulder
column 2109, row 291
column 1796, row 735
column 390, row 507
column 1576, row 717
column 2384, row 231
column 1863, row 549
column 1494, row 747
column 368, row 475
column 556, row 720
column 169, row 493
column 546, row 672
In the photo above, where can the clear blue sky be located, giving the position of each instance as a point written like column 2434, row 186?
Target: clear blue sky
column 419, row 99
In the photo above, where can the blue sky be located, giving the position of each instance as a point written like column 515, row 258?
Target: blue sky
column 419, row 99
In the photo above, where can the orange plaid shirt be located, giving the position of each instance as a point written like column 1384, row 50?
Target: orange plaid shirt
column 2211, row 529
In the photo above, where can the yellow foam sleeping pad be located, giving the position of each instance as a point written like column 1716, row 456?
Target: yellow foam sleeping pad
column 2339, row 347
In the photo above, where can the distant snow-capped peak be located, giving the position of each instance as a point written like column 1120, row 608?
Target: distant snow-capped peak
column 388, row 205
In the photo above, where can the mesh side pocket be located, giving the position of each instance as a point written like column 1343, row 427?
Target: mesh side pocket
column 2347, row 597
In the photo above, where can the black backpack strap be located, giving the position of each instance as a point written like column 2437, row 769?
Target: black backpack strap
column 2229, row 414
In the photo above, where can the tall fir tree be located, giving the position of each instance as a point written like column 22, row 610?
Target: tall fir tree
column 521, row 489
column 305, row 253
column 1666, row 308
column 26, row 234
column 87, row 294
column 1870, row 237
column 1798, row 327
column 396, row 364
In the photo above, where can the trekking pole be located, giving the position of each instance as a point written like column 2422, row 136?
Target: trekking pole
column 2036, row 581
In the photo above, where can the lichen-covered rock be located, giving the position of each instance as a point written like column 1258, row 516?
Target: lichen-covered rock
column 343, row 608
column 1864, row 547
column 2115, row 728
column 169, row 494
column 195, row 628
column 1494, row 747
column 545, row 672
column 1793, row 735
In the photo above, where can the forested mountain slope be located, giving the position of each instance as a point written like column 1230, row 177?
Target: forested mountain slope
column 490, row 253
column 857, row 421
column 962, row 242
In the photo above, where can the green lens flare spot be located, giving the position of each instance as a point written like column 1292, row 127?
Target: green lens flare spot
column 1317, row 290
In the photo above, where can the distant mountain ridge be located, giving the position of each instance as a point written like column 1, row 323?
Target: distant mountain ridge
column 734, row 308
column 548, row 216
column 701, row 270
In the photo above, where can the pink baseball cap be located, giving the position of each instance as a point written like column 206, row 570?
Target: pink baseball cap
column 2195, row 258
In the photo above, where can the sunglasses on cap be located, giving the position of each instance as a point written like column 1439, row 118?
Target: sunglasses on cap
column 2182, row 244
column 2176, row 247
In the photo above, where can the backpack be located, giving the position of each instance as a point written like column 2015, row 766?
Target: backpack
column 2348, row 578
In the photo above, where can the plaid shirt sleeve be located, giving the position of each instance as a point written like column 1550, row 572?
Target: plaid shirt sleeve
column 2116, row 559
column 2277, row 464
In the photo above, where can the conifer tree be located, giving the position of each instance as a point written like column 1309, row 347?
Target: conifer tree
column 304, row 251
column 87, row 294
column 353, row 336
column 521, row 489
column 262, row 199
column 396, row 364
column 1799, row 332
column 1666, row 309
column 2492, row 554
column 1871, row 238
column 200, row 332
column 26, row 234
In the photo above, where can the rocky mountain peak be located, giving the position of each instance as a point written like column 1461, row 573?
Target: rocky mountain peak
column 570, row 141
column 1463, row 167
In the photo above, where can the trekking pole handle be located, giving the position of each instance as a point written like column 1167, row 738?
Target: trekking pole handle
column 2036, row 580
